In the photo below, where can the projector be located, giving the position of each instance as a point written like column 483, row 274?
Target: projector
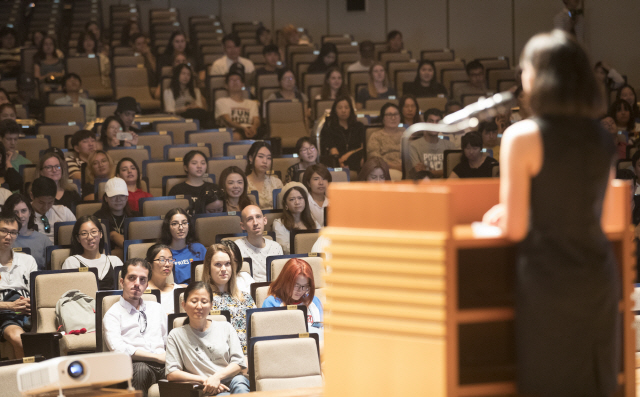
column 71, row 372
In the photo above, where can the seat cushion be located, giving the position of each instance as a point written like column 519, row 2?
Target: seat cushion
column 154, row 391
column 77, row 343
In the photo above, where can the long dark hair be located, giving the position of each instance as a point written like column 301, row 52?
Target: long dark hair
column 403, row 100
column 103, row 130
column 80, row 47
column 165, row 234
column 175, row 81
column 635, row 111
column 472, row 139
column 305, row 217
column 168, row 52
column 76, row 247
column 132, row 161
column 40, row 55
column 237, row 254
column 326, row 89
column 327, row 48
column 333, row 116
column 10, row 204
column 195, row 286
column 190, row 155
column 617, row 105
column 251, row 155
column 417, row 80
column 154, row 250
column 244, row 199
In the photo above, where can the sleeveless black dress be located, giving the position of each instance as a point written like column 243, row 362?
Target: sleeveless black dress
column 568, row 287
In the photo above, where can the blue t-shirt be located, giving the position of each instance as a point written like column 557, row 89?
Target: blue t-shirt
column 183, row 258
column 315, row 313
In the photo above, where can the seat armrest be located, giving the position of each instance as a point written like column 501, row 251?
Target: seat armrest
column 45, row 343
column 179, row 389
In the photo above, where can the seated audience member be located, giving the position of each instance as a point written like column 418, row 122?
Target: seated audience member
column 259, row 165
column 217, row 370
column 327, row 59
column 523, row 106
column 111, row 134
column 342, row 136
column 126, row 112
column 178, row 234
column 367, row 57
column 289, row 90
column 427, row 155
column 243, row 279
column 477, row 84
column 99, row 166
column 234, row 184
column 608, row 78
column 378, row 88
column 334, row 86
column 160, row 258
column 178, row 45
column 232, row 48
column 8, row 112
column 48, row 67
column 195, row 166
column 237, row 112
column 129, row 29
column 115, row 209
column 619, row 139
column 425, row 83
column 10, row 179
column 15, row 269
column 621, row 112
column 374, row 169
column 28, row 236
column 9, row 52
column 84, row 145
column 47, row 214
column 489, row 132
column 87, row 250
column 88, row 45
column 295, row 286
column 409, row 110
column 625, row 92
column 473, row 163
column 263, row 36
column 317, row 179
column 296, row 214
column 451, row 106
column 140, row 45
column 386, row 141
column 54, row 167
column 4, row 96
column 254, row 245
column 9, row 133
column 272, row 63
column 72, row 86
column 394, row 41
column 138, row 327
column 184, row 98
column 128, row 170
column 221, row 274
column 211, row 203
column 308, row 155
column 93, row 27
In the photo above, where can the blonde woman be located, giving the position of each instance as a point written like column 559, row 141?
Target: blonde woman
column 99, row 166
column 378, row 87
column 54, row 167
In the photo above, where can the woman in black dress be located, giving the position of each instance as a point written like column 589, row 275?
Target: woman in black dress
column 555, row 172
column 473, row 163
column 342, row 137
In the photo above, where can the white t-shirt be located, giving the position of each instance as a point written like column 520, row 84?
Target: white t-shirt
column 244, row 281
column 57, row 213
column 102, row 263
column 166, row 300
column 222, row 65
column 283, row 236
column 316, row 211
column 171, row 103
column 259, row 256
column 242, row 113
column 4, row 195
column 16, row 276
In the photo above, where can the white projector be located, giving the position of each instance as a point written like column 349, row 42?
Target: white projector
column 71, row 372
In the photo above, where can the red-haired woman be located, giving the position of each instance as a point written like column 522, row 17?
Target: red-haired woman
column 295, row 286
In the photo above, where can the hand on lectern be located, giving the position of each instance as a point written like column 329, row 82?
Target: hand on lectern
column 494, row 216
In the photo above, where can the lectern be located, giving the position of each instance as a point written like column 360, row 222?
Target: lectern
column 419, row 305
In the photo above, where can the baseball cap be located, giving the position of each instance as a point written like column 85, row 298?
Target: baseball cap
column 116, row 187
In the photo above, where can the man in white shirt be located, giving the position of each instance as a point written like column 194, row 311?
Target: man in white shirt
column 255, row 246
column 15, row 271
column 367, row 56
column 236, row 111
column 72, row 86
column 43, row 194
column 138, row 327
column 232, row 48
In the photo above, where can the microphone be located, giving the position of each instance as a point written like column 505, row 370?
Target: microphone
column 483, row 109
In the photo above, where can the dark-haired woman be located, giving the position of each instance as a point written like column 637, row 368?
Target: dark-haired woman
column 195, row 166
column 219, row 361
column 48, row 67
column 87, row 250
column 327, row 59
column 308, row 155
column 342, row 137
column 233, row 183
column 128, row 170
column 115, row 210
column 258, row 168
column 28, row 236
column 183, row 97
column 409, row 110
column 296, row 214
column 385, row 142
column 473, row 163
column 628, row 93
column 425, row 83
column 565, row 264
column 161, row 260
column 621, row 112
column 178, row 234
column 178, row 45
column 334, row 86
column 109, row 134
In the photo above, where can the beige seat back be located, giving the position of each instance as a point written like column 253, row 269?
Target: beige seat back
column 58, row 256
column 401, row 77
column 161, row 207
column 216, row 167
column 282, row 164
column 57, row 132
column 83, row 209
column 393, row 57
column 64, row 114
column 277, row 322
column 377, row 104
column 178, row 128
column 262, row 293
column 143, row 230
column 238, row 150
column 282, row 364
column 496, row 75
column 208, row 227
column 156, row 170
column 433, row 102
column 448, row 76
column 217, row 139
column 156, row 143
column 180, row 151
column 272, row 216
column 439, row 55
column 198, row 272
column 316, row 263
column 138, row 250
column 303, row 242
column 495, row 63
column 339, row 175
column 356, row 79
column 312, row 79
column 451, row 159
column 89, row 70
column 32, row 147
column 138, row 154
column 128, row 60
column 132, row 81
column 286, row 120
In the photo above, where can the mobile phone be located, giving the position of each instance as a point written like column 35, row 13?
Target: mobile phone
column 317, row 324
column 124, row 136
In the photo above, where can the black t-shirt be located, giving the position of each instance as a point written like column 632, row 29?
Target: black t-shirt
column 195, row 192
column 419, row 91
column 463, row 170
column 69, row 199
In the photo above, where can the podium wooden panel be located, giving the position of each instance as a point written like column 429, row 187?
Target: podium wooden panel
column 418, row 306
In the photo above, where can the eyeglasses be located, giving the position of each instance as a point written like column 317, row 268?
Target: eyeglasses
column 45, row 222
column 308, row 150
column 50, row 168
column 176, row 225
column 392, row 114
column 143, row 325
column 299, row 287
column 92, row 233
column 12, row 233
column 164, row 261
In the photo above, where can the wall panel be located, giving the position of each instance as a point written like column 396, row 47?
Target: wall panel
column 311, row 15
column 363, row 25
column 244, row 11
column 423, row 24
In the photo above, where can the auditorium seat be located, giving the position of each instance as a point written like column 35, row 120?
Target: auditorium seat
column 401, row 77
column 216, row 165
column 88, row 68
column 301, row 241
column 136, row 248
column 207, row 226
column 377, row 104
column 217, row 138
column 271, row 216
column 159, row 206
column 270, row 321
column 450, row 160
column 138, row 153
column 355, row 79
column 495, row 75
column 237, row 236
column 237, row 148
column 154, row 170
column 142, row 228
column 107, row 109
column 275, row 264
column 180, row 151
column 178, row 128
column 31, row 145
column 432, row 102
column 87, row 208
column 132, row 81
column 445, row 54
column 65, row 114
column 286, row 120
column 340, row 174
column 57, row 132
column 156, row 142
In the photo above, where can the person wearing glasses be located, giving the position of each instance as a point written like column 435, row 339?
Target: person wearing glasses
column 28, row 236
column 386, row 141
column 295, row 286
column 53, row 166
column 87, row 250
column 161, row 260
column 178, row 234
column 115, row 209
column 137, row 327
column 308, row 154
column 15, row 270
column 296, row 214
column 221, row 274
column 47, row 214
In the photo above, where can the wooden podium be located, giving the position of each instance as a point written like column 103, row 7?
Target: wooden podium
column 418, row 306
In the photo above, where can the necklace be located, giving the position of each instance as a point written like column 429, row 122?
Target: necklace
column 117, row 227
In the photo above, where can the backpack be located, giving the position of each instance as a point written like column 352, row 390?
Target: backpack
column 76, row 310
